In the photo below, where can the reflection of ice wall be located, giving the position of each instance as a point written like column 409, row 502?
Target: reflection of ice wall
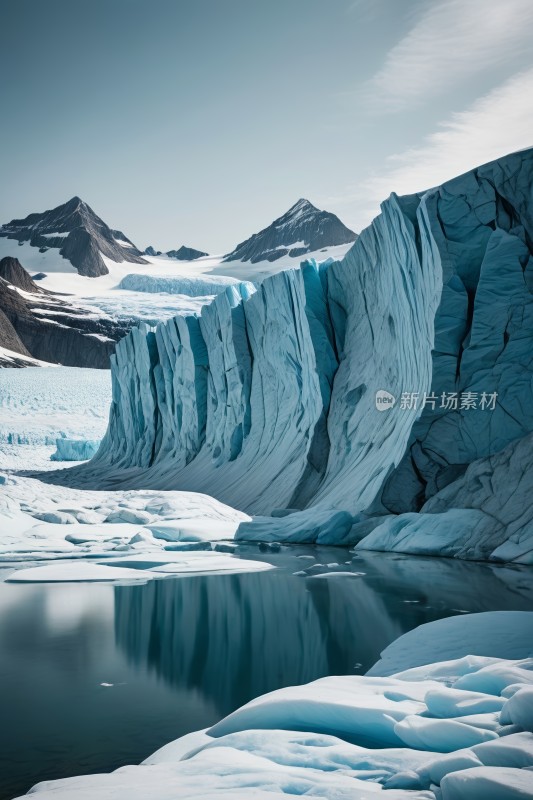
column 269, row 400
column 272, row 628
column 252, row 627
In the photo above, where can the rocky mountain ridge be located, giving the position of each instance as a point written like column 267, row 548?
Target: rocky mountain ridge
column 302, row 229
column 77, row 234
column 38, row 324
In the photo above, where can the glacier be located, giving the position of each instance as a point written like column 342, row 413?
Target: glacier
column 453, row 728
column 193, row 286
column 266, row 400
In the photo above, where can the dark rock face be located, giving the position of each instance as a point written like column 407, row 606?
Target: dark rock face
column 77, row 233
column 9, row 338
column 302, row 229
column 12, row 271
column 47, row 328
column 186, row 253
column 150, row 251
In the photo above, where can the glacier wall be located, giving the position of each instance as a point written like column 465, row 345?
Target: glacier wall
column 267, row 399
column 198, row 286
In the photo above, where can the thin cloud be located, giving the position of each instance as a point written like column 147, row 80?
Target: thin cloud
column 452, row 40
column 498, row 123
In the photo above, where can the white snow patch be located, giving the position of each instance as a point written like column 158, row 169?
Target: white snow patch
column 11, row 355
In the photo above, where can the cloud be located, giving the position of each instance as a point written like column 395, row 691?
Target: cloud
column 452, row 40
column 498, row 123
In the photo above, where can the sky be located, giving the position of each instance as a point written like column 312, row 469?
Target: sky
column 198, row 122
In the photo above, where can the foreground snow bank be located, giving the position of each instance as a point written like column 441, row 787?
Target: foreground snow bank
column 455, row 728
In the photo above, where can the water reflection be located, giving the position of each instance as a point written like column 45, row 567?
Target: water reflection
column 234, row 637
column 237, row 636
column 93, row 677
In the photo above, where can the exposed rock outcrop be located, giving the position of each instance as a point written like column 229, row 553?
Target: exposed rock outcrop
column 184, row 253
column 12, row 271
column 37, row 323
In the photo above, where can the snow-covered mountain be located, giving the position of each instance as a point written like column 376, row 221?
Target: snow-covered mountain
column 301, row 230
column 271, row 399
column 72, row 250
column 73, row 232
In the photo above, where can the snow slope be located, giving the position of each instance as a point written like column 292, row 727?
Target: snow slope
column 61, row 276
column 269, row 399
column 455, row 728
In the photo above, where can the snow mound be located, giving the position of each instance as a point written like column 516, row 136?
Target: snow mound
column 42, row 521
column 503, row 634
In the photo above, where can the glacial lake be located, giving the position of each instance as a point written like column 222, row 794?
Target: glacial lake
column 96, row 676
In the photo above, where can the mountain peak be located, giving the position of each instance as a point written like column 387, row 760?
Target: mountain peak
column 301, row 205
column 12, row 271
column 74, row 203
column 76, row 233
column 185, row 253
column 302, row 229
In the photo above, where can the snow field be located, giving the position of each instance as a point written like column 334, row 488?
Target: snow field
column 45, row 522
column 39, row 405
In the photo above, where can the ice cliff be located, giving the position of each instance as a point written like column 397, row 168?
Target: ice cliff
column 267, row 400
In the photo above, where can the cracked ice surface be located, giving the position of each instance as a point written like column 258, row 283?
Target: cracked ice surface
column 460, row 727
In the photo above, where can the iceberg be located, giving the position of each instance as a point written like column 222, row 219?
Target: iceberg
column 200, row 286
